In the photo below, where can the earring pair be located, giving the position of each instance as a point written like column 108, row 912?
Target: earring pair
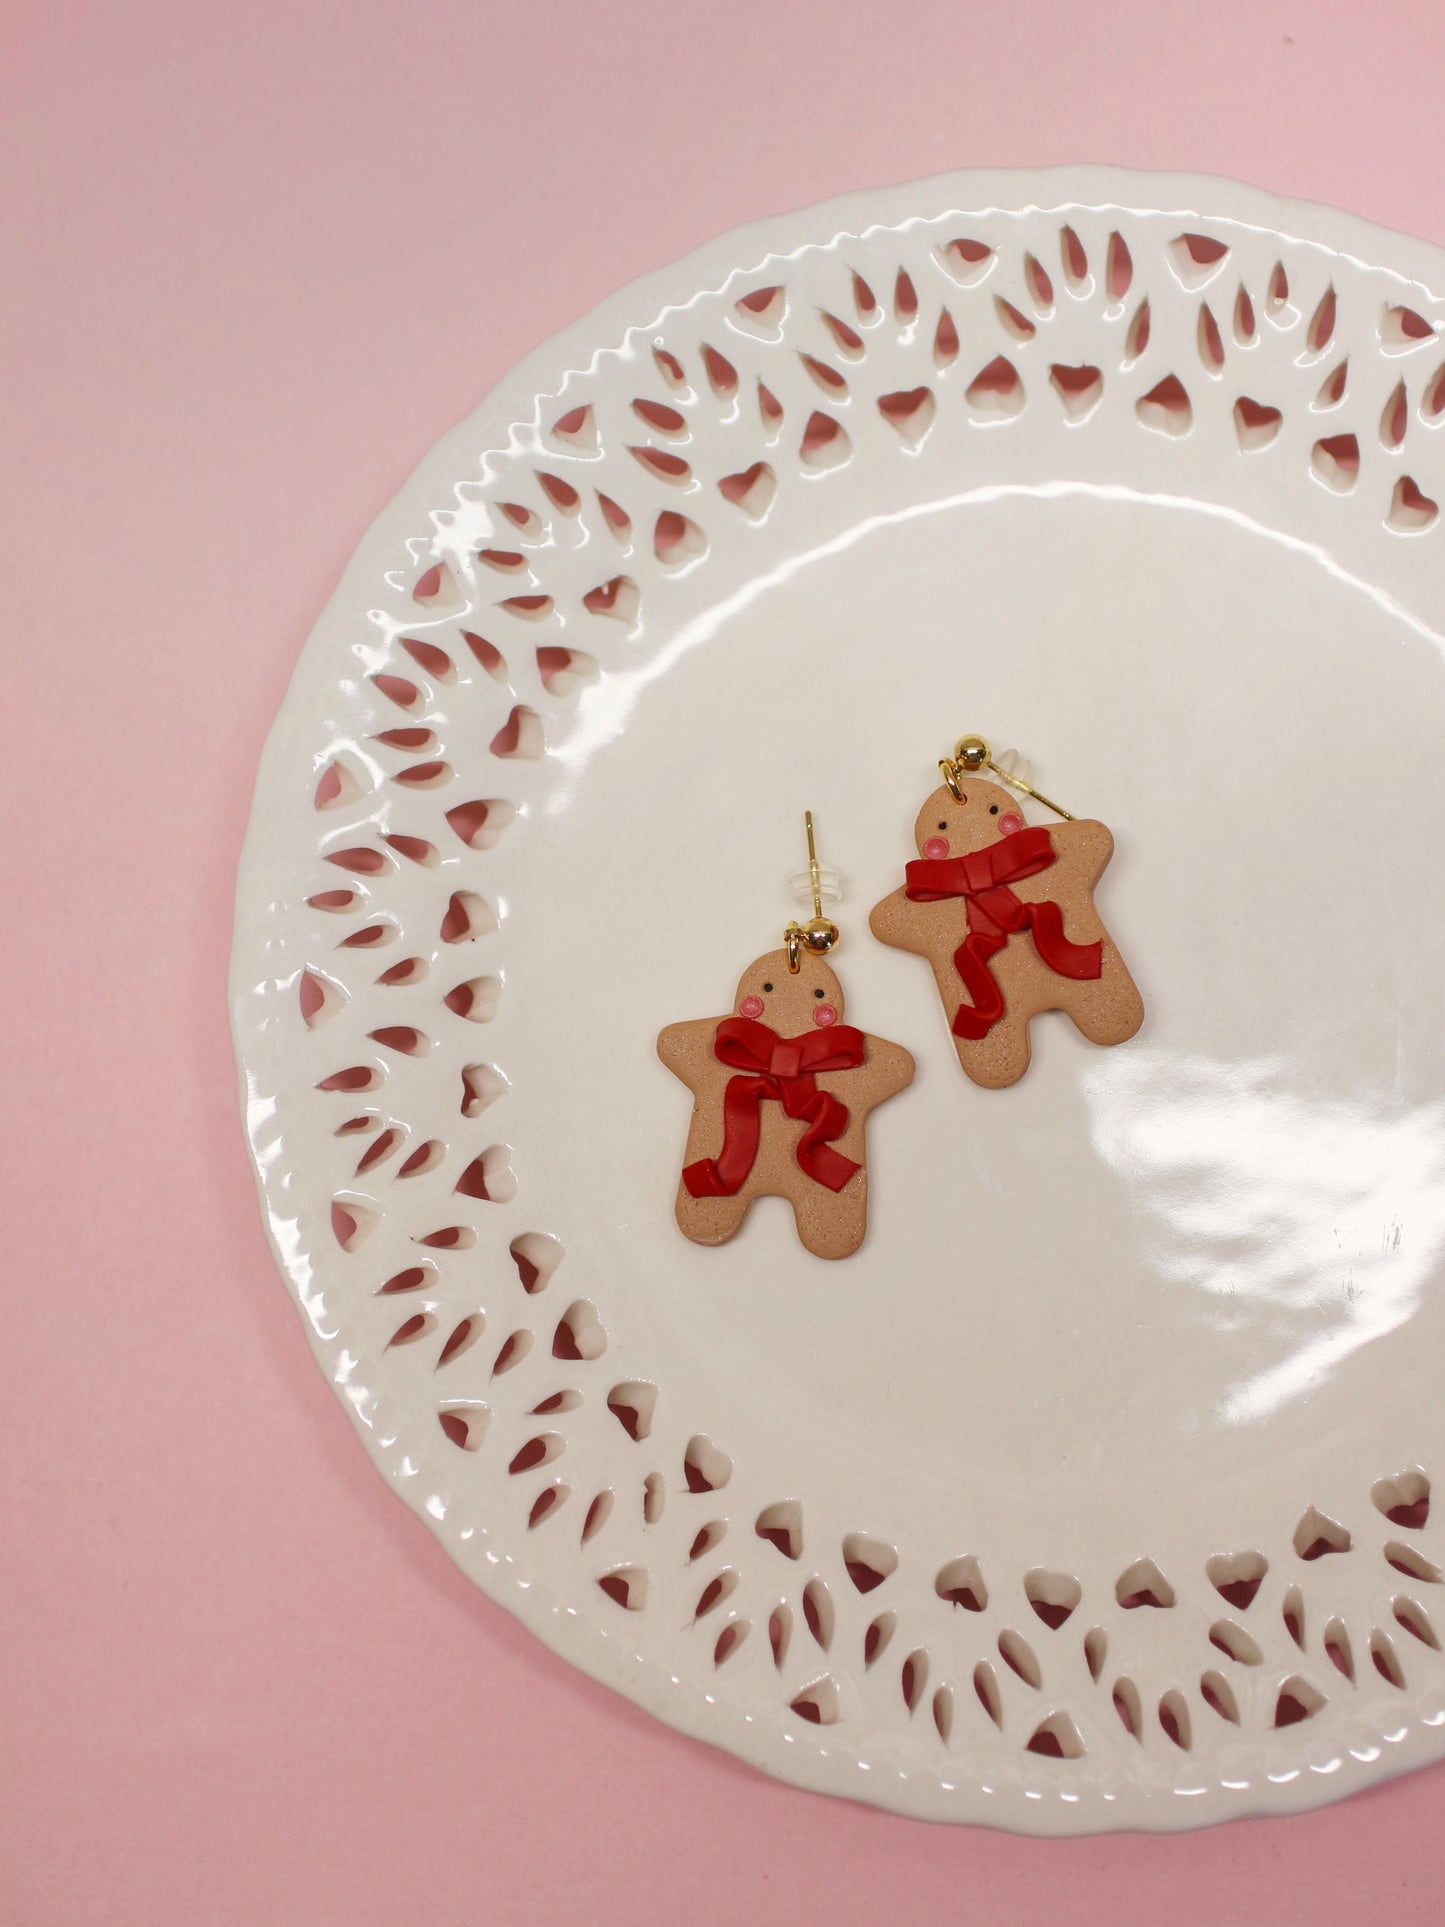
column 1004, row 914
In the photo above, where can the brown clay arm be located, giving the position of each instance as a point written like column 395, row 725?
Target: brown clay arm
column 1085, row 845
column 686, row 1049
column 890, row 1064
column 895, row 921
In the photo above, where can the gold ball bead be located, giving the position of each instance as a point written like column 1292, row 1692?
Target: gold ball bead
column 820, row 935
column 972, row 752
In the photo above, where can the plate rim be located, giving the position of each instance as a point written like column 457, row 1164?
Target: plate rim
column 573, row 1637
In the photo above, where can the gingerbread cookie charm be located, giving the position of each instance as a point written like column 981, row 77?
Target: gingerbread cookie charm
column 1005, row 915
column 782, row 1089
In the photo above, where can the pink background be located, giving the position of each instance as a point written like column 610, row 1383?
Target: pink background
column 256, row 258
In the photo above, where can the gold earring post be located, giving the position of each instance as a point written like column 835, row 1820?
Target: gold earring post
column 973, row 753
column 820, row 933
column 813, row 864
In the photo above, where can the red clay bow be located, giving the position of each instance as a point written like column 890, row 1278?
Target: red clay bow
column 784, row 1068
column 994, row 915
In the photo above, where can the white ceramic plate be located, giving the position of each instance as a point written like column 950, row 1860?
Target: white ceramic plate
column 1093, row 1492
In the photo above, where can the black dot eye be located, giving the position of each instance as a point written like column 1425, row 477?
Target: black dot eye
column 993, row 809
column 767, row 986
column 818, row 994
column 943, row 826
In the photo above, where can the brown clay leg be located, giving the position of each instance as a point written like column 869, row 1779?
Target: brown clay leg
column 1109, row 1010
column 710, row 1221
column 1000, row 1058
column 831, row 1224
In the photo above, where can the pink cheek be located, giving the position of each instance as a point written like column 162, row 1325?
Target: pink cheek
column 936, row 846
column 1009, row 822
column 751, row 1007
column 824, row 1014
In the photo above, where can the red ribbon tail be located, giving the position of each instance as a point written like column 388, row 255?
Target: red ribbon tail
column 703, row 1180
column 827, row 1119
column 1066, row 959
column 977, row 1018
column 827, row 1166
column 725, row 1175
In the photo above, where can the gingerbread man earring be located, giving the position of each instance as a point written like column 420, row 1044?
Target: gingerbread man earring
column 782, row 1089
column 1005, row 915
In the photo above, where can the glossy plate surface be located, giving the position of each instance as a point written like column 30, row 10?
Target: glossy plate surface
column 1095, row 1490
